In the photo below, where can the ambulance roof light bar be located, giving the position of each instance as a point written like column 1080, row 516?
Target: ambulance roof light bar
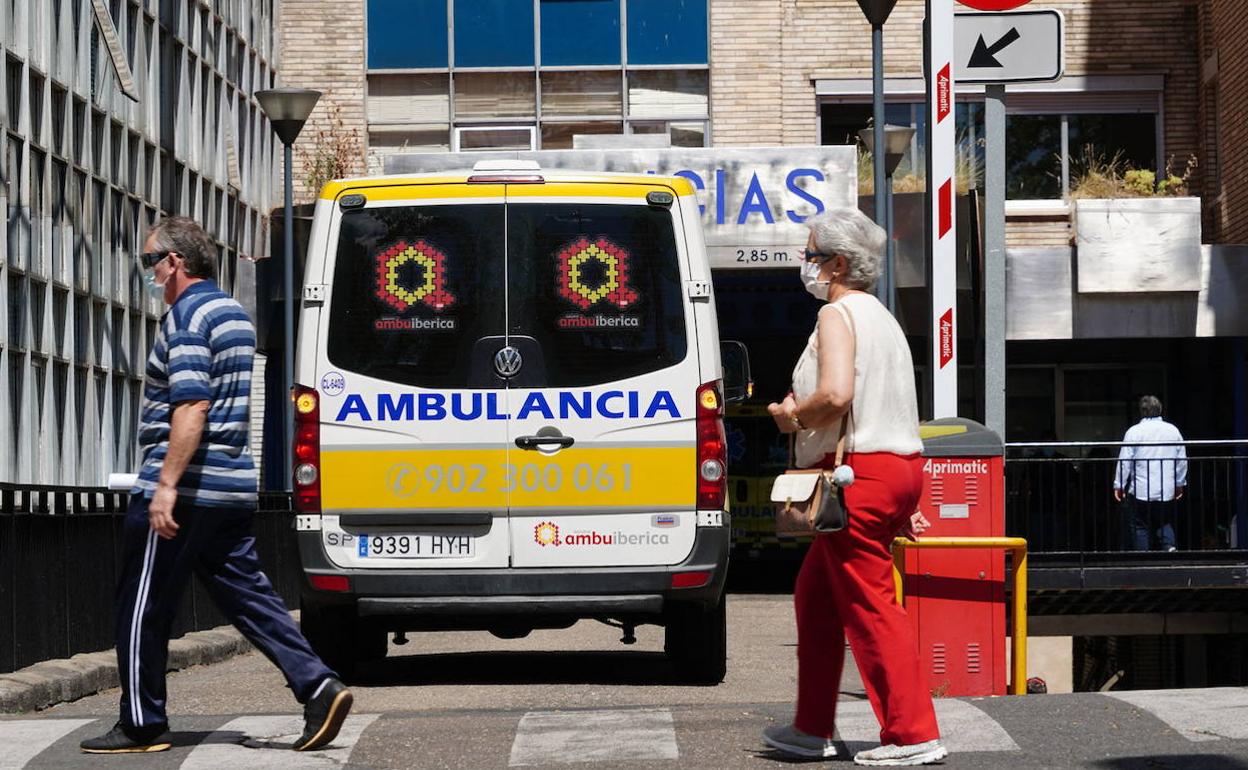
column 506, row 171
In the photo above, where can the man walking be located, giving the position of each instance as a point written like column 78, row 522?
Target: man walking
column 1154, row 473
column 191, row 508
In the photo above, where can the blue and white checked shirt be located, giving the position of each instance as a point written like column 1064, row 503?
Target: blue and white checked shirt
column 203, row 352
column 1152, row 472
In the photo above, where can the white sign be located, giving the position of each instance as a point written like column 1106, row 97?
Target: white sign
column 753, row 200
column 942, row 222
column 1009, row 47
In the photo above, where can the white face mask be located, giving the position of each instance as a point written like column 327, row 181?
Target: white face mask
column 156, row 290
column 810, row 279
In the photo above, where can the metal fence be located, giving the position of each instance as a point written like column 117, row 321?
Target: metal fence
column 1060, row 496
column 60, row 551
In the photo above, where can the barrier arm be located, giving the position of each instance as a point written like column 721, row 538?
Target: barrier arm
column 1017, row 546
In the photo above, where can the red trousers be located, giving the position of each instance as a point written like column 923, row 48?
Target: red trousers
column 845, row 591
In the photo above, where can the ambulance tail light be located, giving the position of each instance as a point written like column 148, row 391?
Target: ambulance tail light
column 712, row 448
column 307, row 450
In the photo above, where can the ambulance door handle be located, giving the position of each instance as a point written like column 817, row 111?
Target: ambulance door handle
column 535, row 442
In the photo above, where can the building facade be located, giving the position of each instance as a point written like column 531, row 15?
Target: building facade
column 114, row 114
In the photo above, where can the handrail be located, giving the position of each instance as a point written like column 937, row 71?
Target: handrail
column 1189, row 442
column 1018, row 547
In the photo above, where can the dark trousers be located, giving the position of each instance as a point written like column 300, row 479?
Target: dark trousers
column 215, row 544
column 1151, row 525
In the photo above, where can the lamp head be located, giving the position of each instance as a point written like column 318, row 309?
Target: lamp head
column 896, row 142
column 288, row 109
column 877, row 11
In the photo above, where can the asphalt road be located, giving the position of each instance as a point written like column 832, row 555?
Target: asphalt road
column 468, row 700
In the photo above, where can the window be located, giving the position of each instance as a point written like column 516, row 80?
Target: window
column 494, row 138
column 492, row 33
column 495, row 95
column 1045, row 150
column 421, row 343
column 560, row 136
column 647, row 328
column 1033, row 156
column 667, row 32
column 581, row 93
column 391, row 26
column 580, row 32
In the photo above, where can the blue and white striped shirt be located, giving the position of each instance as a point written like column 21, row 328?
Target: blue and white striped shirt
column 203, row 352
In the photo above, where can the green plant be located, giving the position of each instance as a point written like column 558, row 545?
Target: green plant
column 1099, row 177
column 966, row 167
column 333, row 152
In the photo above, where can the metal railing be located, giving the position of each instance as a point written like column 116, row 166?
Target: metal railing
column 1060, row 496
column 60, row 553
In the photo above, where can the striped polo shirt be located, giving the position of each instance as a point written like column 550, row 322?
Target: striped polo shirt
column 203, row 352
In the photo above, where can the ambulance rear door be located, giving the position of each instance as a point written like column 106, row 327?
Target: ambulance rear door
column 413, row 419
column 601, row 361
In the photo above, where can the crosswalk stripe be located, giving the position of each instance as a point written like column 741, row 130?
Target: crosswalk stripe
column 556, row 737
column 23, row 739
column 963, row 728
column 1208, row 714
column 264, row 743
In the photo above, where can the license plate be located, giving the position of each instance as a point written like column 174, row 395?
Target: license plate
column 416, row 546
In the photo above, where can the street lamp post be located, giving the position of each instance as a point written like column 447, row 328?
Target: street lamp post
column 288, row 109
column 877, row 12
column 896, row 141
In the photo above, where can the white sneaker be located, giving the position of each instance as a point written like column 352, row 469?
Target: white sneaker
column 898, row 756
column 791, row 740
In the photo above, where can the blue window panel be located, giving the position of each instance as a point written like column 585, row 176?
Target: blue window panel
column 407, row 34
column 580, row 32
column 494, row 33
column 667, row 32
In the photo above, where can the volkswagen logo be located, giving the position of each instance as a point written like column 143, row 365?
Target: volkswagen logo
column 507, row 362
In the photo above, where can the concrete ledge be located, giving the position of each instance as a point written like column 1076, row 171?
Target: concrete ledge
column 58, row 681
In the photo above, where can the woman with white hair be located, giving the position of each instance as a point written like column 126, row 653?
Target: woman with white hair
column 856, row 368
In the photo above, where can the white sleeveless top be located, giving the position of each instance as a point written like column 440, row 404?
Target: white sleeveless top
column 885, row 411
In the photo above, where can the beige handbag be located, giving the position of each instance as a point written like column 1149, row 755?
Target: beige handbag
column 808, row 501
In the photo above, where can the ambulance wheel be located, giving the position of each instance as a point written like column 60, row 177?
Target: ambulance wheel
column 696, row 640
column 337, row 636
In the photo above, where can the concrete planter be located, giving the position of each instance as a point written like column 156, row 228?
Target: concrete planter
column 1133, row 245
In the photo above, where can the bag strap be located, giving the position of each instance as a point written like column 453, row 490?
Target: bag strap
column 849, row 416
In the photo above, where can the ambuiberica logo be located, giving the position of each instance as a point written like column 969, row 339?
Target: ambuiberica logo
column 595, row 272
column 547, row 534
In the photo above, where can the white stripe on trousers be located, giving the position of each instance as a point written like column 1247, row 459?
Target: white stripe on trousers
column 136, row 626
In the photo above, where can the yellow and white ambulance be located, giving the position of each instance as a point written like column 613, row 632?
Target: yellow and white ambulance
column 509, row 411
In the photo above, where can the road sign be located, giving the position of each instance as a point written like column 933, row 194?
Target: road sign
column 993, row 5
column 1012, row 47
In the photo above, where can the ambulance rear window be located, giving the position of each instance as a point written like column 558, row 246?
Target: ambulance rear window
column 598, row 286
column 414, row 286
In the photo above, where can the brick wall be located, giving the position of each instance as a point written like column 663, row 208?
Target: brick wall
column 1226, row 102
column 766, row 53
column 322, row 47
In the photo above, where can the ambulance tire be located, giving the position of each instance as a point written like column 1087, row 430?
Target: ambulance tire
column 338, row 637
column 696, row 641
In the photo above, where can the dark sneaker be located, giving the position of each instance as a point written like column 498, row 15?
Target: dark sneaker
column 323, row 715
column 791, row 740
column 129, row 740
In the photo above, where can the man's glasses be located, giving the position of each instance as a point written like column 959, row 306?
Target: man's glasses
column 816, row 256
column 150, row 259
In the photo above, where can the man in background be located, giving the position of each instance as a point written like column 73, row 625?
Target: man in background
column 1152, row 470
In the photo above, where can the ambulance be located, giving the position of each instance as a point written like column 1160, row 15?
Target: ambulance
column 509, row 408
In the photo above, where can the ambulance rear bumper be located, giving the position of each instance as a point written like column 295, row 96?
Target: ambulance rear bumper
column 571, row 590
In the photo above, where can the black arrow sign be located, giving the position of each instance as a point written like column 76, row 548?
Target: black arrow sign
column 985, row 55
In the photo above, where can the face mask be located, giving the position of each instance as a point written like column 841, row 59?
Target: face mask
column 810, row 279
column 156, row 290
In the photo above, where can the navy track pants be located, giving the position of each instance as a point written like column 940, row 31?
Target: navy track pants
column 215, row 544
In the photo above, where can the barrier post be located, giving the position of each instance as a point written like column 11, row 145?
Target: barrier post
column 1017, row 546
